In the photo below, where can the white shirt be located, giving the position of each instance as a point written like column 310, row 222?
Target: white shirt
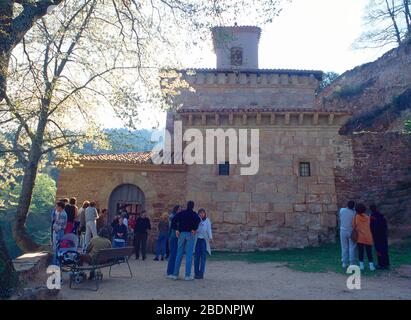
column 204, row 230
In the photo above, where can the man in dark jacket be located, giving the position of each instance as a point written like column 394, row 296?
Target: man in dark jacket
column 187, row 222
column 141, row 234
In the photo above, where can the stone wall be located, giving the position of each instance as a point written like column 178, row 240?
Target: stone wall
column 379, row 171
column 216, row 89
column 276, row 208
column 162, row 188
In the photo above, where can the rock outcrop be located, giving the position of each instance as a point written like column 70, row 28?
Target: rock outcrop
column 377, row 93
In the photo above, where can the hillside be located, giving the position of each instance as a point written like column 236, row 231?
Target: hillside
column 377, row 93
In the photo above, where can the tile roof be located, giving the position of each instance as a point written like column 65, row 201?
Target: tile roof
column 129, row 158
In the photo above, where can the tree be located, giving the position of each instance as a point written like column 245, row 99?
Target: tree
column 16, row 19
column 388, row 22
column 328, row 78
column 86, row 56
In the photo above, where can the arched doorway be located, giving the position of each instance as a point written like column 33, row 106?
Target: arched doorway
column 126, row 196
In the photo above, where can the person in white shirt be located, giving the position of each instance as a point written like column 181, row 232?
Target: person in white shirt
column 348, row 246
column 91, row 215
column 202, row 244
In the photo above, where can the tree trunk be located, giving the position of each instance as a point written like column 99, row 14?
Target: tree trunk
column 6, row 15
column 20, row 234
column 394, row 22
column 407, row 16
column 8, row 276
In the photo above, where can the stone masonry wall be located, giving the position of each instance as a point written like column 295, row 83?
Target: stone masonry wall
column 276, row 208
column 379, row 171
column 162, row 189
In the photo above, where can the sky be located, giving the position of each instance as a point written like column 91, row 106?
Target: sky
column 308, row 34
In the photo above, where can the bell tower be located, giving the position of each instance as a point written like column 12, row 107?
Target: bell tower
column 236, row 47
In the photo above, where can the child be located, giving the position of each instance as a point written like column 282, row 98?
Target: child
column 202, row 245
column 361, row 226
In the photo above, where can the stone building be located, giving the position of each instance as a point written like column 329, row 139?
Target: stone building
column 290, row 202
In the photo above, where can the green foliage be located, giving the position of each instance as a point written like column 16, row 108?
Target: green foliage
column 408, row 126
column 319, row 260
column 38, row 223
column 328, row 78
column 349, row 91
column 122, row 140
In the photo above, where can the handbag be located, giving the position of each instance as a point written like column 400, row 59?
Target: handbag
column 354, row 233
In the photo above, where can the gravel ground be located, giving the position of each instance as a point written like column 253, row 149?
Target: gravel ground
column 236, row 280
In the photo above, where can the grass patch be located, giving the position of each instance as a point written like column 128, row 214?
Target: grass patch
column 319, row 260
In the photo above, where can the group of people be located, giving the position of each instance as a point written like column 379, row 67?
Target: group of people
column 66, row 217
column 190, row 234
column 180, row 232
column 360, row 231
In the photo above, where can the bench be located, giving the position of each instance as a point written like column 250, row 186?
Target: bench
column 106, row 258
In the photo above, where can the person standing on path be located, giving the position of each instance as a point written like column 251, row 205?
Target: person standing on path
column 141, row 235
column 361, row 226
column 91, row 215
column 187, row 221
column 379, row 230
column 348, row 246
column 202, row 246
column 173, row 240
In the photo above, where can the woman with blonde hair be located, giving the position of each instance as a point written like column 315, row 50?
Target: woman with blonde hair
column 163, row 230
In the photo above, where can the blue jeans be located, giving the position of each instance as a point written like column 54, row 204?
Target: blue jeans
column 200, row 257
column 119, row 243
column 173, row 255
column 185, row 242
column 161, row 245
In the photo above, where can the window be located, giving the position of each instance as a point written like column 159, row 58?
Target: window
column 236, row 56
column 224, row 169
column 305, row 169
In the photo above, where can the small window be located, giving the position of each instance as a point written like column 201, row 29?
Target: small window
column 224, row 169
column 305, row 169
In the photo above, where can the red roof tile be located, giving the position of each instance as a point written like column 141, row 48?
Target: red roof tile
column 129, row 158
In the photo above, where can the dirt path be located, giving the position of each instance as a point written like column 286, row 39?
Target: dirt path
column 239, row 280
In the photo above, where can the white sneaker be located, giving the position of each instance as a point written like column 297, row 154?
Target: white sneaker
column 362, row 266
column 172, row 277
column 189, row 278
column 372, row 268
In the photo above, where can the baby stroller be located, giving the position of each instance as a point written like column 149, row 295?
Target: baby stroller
column 68, row 256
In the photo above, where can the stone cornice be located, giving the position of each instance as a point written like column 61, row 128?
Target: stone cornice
column 262, row 117
column 253, row 77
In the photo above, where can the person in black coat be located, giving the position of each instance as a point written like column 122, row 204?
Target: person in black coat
column 379, row 230
column 141, row 235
